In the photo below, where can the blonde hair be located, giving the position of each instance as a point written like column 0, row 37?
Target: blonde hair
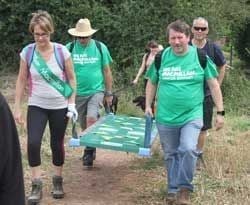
column 43, row 19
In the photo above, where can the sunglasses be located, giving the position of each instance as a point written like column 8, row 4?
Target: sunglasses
column 82, row 37
column 200, row 28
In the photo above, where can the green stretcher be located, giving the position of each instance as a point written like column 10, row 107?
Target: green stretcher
column 119, row 133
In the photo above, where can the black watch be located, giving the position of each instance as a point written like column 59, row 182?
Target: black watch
column 222, row 113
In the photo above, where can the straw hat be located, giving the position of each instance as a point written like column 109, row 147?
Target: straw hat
column 82, row 29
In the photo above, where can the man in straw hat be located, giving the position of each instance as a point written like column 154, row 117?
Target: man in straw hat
column 91, row 60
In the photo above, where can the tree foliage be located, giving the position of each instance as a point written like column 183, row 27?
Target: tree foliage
column 125, row 26
column 242, row 41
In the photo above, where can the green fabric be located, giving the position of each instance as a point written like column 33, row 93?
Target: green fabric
column 180, row 88
column 89, row 65
column 117, row 132
column 43, row 69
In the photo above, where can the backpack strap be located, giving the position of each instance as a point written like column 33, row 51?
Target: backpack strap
column 99, row 46
column 72, row 45
column 57, row 50
column 210, row 49
column 158, row 61
column 29, row 54
column 59, row 55
column 147, row 55
column 201, row 55
column 146, row 58
column 202, row 58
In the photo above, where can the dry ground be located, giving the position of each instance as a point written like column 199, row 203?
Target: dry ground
column 119, row 178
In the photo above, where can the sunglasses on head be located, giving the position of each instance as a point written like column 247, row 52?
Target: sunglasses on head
column 200, row 28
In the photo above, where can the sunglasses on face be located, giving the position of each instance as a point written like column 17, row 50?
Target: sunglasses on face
column 200, row 28
column 82, row 37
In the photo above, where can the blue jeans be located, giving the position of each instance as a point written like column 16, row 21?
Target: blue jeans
column 180, row 153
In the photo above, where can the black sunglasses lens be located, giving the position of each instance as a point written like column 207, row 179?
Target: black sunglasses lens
column 200, row 28
column 82, row 37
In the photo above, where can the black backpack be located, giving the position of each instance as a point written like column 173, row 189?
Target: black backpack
column 201, row 55
column 210, row 52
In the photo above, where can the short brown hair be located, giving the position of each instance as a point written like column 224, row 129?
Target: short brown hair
column 43, row 19
column 151, row 44
column 179, row 26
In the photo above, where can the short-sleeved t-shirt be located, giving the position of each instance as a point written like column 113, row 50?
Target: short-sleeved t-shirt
column 89, row 64
column 180, row 86
column 41, row 93
column 216, row 55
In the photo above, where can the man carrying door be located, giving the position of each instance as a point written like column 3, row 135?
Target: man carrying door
column 92, row 61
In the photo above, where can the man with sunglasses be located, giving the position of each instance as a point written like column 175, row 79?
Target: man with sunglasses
column 92, row 61
column 200, row 31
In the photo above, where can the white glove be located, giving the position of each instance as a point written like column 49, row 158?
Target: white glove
column 72, row 112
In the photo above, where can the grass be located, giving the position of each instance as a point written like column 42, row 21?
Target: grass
column 224, row 181
column 226, row 178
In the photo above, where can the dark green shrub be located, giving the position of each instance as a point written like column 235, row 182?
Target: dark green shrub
column 235, row 89
column 242, row 40
column 125, row 26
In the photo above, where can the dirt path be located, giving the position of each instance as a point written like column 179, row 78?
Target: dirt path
column 111, row 181
column 106, row 183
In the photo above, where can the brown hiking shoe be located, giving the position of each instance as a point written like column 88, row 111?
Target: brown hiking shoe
column 171, row 199
column 57, row 191
column 183, row 197
column 36, row 192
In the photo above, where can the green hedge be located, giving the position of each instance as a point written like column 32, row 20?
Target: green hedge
column 242, row 40
column 125, row 26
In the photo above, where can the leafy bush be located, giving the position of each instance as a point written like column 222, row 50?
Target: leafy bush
column 242, row 40
column 236, row 91
column 124, row 26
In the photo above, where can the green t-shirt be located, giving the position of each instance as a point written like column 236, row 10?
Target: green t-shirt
column 180, row 91
column 88, row 65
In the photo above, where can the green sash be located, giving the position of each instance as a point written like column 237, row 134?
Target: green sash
column 43, row 69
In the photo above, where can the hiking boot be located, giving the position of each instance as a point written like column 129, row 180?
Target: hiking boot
column 57, row 191
column 89, row 156
column 36, row 192
column 170, row 199
column 183, row 197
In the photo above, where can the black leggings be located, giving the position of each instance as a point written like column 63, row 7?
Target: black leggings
column 36, row 122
